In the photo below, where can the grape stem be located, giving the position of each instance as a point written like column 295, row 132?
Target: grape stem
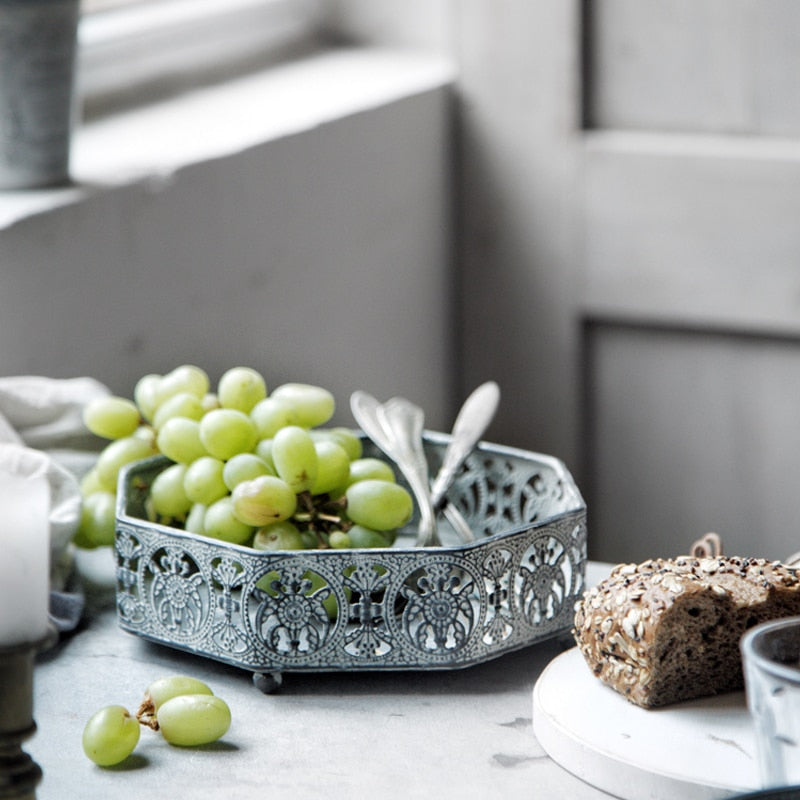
column 320, row 515
column 146, row 714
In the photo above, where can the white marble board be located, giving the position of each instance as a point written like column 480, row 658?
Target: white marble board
column 699, row 750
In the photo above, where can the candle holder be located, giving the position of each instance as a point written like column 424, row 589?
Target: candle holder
column 19, row 773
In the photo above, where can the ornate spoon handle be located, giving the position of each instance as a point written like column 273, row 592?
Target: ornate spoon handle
column 404, row 422
column 471, row 423
column 394, row 427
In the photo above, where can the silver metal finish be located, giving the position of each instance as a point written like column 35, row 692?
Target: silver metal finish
column 395, row 608
column 404, row 423
column 397, row 426
column 471, row 422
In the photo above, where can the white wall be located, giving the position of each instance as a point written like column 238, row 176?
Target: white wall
column 518, row 239
column 320, row 255
column 420, row 24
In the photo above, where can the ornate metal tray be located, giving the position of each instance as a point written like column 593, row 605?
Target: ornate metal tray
column 395, row 608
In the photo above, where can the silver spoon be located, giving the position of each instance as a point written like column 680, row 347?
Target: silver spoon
column 404, row 422
column 395, row 433
column 471, row 422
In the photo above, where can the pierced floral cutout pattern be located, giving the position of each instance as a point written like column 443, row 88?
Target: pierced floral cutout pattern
column 402, row 608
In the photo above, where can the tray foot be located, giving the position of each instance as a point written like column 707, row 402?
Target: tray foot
column 268, row 682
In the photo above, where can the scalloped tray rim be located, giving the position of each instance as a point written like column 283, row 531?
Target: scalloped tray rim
column 558, row 467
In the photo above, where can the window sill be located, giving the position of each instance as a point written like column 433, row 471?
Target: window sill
column 153, row 142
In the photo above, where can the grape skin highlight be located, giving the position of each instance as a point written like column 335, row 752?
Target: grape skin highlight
column 379, row 505
column 225, row 432
column 312, row 405
column 189, row 720
column 163, row 689
column 111, row 417
column 241, row 388
column 110, row 736
column 295, row 457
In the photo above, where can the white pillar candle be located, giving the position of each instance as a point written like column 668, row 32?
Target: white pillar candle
column 24, row 556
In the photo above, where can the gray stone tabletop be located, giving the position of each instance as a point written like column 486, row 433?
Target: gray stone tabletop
column 448, row 734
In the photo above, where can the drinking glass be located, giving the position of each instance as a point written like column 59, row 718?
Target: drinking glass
column 771, row 661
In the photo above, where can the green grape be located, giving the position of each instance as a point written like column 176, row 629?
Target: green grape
column 168, row 494
column 380, row 505
column 116, row 455
column 203, row 482
column 146, row 434
column 111, row 417
column 195, row 519
column 278, row 536
column 186, row 378
column 270, row 415
column 220, row 522
column 163, row 689
column 110, row 736
column 225, row 432
column 263, row 500
column 310, row 541
column 295, row 457
column 241, row 388
column 264, row 452
column 339, row 540
column 182, row 404
column 389, row 536
column 145, row 393
column 244, row 467
column 210, row 401
column 188, row 720
column 81, row 541
column 333, row 467
column 272, row 584
column 267, row 582
column 366, row 537
column 90, row 482
column 370, row 468
column 329, row 601
column 312, row 405
column 343, row 437
column 98, row 519
column 179, row 440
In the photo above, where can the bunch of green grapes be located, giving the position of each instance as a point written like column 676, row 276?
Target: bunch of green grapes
column 250, row 468
column 183, row 709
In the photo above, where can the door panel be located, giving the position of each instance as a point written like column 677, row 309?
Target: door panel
column 691, row 257
column 694, row 432
column 630, row 228
column 697, row 230
column 724, row 66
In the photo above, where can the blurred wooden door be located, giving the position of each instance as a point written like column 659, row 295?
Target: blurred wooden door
column 678, row 135
column 691, row 185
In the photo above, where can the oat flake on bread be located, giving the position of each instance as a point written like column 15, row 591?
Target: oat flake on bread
column 668, row 630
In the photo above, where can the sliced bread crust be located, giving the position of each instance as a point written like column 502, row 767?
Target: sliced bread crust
column 668, row 630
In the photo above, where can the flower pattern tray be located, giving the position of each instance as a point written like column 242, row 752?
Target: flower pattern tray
column 379, row 609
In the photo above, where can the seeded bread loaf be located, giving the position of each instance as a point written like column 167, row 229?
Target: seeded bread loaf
column 665, row 631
